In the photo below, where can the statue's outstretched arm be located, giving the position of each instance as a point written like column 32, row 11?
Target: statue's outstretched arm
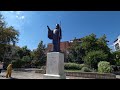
column 50, row 33
column 48, row 27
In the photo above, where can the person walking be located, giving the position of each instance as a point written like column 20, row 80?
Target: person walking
column 9, row 71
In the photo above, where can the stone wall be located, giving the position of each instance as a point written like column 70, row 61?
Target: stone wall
column 91, row 75
column 76, row 74
column 86, row 75
column 40, row 71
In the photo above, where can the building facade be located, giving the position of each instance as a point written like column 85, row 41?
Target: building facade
column 63, row 46
column 117, row 43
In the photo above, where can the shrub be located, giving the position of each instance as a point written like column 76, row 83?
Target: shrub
column 82, row 65
column 93, row 57
column 104, row 67
column 73, row 66
column 26, row 59
column 17, row 63
column 85, row 69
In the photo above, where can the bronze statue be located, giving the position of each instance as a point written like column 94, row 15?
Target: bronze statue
column 55, row 35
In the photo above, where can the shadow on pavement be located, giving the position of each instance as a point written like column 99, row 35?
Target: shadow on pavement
column 11, row 78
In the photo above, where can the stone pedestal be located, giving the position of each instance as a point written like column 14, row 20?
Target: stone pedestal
column 55, row 66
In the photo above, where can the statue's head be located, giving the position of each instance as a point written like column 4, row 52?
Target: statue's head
column 57, row 26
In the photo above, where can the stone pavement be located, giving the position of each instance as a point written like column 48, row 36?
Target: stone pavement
column 118, row 76
column 30, row 75
column 23, row 75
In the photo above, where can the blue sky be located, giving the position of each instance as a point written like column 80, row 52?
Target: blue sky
column 32, row 25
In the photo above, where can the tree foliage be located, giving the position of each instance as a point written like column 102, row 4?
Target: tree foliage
column 90, row 46
column 39, row 53
column 8, row 36
column 94, row 57
column 24, row 51
column 76, row 52
column 116, row 57
column 91, row 42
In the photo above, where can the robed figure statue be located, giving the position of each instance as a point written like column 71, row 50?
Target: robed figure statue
column 55, row 35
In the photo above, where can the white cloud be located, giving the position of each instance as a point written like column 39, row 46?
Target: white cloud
column 22, row 17
column 16, row 16
column 19, row 15
column 11, row 11
column 111, row 45
column 17, row 19
column 18, row 12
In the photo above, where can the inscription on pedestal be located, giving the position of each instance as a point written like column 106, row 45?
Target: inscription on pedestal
column 52, row 64
column 55, row 65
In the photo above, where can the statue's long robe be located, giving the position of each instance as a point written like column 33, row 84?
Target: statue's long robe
column 55, row 35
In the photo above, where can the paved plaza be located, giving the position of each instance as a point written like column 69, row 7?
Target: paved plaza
column 30, row 75
column 23, row 75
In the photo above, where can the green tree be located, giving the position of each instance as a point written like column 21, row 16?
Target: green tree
column 8, row 36
column 89, row 43
column 116, row 57
column 76, row 52
column 26, row 61
column 17, row 63
column 32, row 55
column 39, row 53
column 96, row 49
column 94, row 57
column 22, row 56
column 102, row 45
column 24, row 51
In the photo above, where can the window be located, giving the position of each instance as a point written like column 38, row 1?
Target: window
column 117, row 46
